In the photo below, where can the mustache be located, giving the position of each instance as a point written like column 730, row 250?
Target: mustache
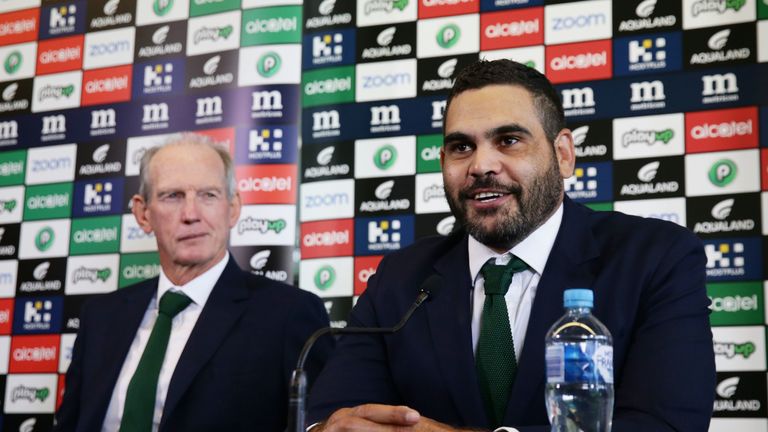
column 489, row 183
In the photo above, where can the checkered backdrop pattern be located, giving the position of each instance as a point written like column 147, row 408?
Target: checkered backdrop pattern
column 667, row 101
column 85, row 88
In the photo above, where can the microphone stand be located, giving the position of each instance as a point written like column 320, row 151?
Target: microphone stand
column 298, row 385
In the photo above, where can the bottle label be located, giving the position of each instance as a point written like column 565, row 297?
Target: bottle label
column 572, row 362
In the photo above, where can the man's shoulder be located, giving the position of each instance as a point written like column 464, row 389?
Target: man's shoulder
column 427, row 250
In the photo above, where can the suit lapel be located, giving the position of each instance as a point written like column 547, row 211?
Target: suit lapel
column 450, row 323
column 566, row 268
column 224, row 307
column 128, row 311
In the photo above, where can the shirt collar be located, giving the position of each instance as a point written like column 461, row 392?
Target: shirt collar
column 199, row 288
column 534, row 249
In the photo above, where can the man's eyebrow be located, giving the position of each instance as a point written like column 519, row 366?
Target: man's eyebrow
column 456, row 136
column 505, row 129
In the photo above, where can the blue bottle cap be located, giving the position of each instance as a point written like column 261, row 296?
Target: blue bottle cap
column 578, row 297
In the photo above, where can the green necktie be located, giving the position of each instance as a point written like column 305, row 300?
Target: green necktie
column 140, row 397
column 495, row 362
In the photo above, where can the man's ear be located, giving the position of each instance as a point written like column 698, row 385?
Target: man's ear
column 141, row 213
column 565, row 153
column 235, row 205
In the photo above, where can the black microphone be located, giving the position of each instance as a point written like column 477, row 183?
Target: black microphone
column 298, row 385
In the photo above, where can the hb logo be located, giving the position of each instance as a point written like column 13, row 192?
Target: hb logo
column 97, row 193
column 38, row 311
column 259, row 140
column 326, row 45
column 157, row 75
column 720, row 256
column 647, row 50
column 63, row 16
column 383, row 232
column 582, row 180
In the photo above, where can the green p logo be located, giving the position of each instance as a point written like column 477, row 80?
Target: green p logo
column 268, row 64
column 385, row 157
column 722, row 172
column 44, row 239
column 325, row 277
column 448, row 35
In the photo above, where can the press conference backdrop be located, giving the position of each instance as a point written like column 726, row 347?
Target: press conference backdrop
column 87, row 86
column 668, row 102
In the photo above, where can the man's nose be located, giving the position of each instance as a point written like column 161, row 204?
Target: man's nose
column 485, row 160
column 190, row 210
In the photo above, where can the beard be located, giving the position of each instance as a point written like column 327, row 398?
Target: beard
column 534, row 205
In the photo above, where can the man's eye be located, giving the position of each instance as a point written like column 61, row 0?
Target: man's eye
column 508, row 141
column 459, row 148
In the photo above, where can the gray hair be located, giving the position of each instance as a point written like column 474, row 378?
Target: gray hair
column 180, row 139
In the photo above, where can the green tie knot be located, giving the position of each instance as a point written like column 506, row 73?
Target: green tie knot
column 171, row 303
column 498, row 277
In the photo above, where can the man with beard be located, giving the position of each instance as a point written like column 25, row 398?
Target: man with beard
column 453, row 366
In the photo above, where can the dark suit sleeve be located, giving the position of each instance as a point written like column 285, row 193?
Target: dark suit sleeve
column 667, row 379
column 68, row 413
column 358, row 371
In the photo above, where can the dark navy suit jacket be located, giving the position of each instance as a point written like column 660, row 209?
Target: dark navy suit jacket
column 648, row 281
column 233, row 372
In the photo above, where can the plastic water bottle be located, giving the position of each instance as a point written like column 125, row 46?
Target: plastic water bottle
column 579, row 356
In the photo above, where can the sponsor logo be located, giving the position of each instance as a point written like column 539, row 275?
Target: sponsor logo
column 326, row 124
column 212, row 34
column 44, row 167
column 328, row 15
column 386, row 46
column 268, row 64
column 737, row 397
column 109, row 48
column 720, row 51
column 15, row 97
column 578, row 22
column 578, row 62
column 208, row 110
column 372, row 83
column 445, row 71
column 327, row 49
column 578, row 101
column 448, row 35
column 158, row 77
column 722, row 172
column 59, row 55
column 385, row 118
column 646, row 174
column 435, row 8
column 327, row 200
column 38, row 315
column 63, row 19
column 261, row 225
column 9, row 132
column 215, row 73
column 385, row 201
column 266, row 104
column 383, row 234
column 324, row 278
column 584, row 145
column 646, row 137
column 103, row 122
column 165, row 40
column 716, row 6
column 732, row 259
column 48, row 201
column 587, row 182
column 327, row 238
column 328, row 85
column 647, row 54
column 645, row 20
column 732, row 349
column 112, row 14
column 271, row 25
column 510, row 29
column 647, row 95
column 106, row 86
column 267, row 184
column 138, row 267
column 46, row 276
column 54, row 127
column 57, row 91
column 722, row 129
column 719, row 88
column 155, row 116
column 98, row 164
column 324, row 167
column 737, row 303
column 12, row 166
column 723, row 223
column 18, row 27
column 34, row 354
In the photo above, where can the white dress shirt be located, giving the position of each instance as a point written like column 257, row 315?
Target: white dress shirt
column 534, row 250
column 198, row 289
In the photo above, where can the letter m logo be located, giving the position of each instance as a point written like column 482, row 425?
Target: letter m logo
column 54, row 124
column 9, row 129
column 647, row 91
column 154, row 113
column 208, row 106
column 266, row 100
column 578, row 98
column 325, row 120
column 719, row 84
column 385, row 115
column 104, row 118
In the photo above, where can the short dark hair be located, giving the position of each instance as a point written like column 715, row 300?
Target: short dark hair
column 484, row 73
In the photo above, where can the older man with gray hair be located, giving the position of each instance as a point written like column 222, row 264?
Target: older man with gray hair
column 204, row 346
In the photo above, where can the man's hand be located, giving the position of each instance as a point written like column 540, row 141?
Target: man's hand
column 380, row 418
